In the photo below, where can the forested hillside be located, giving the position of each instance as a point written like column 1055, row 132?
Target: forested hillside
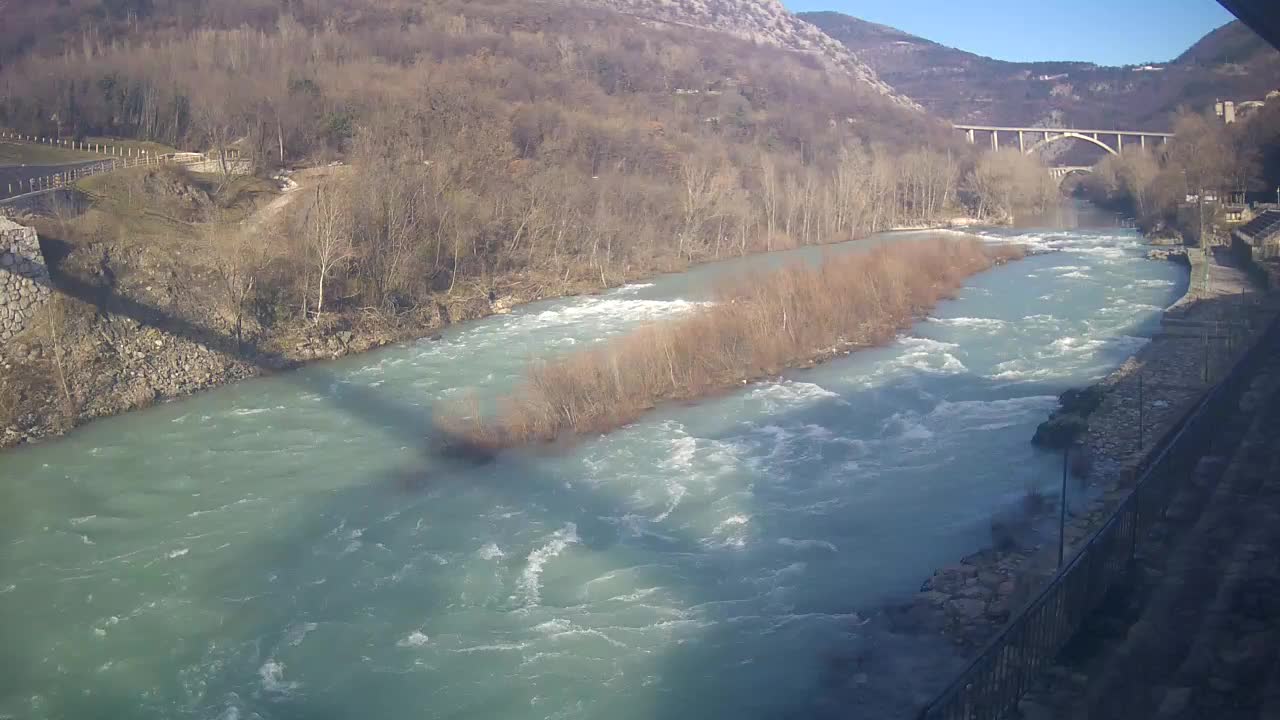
column 529, row 133
column 1230, row 63
column 490, row 151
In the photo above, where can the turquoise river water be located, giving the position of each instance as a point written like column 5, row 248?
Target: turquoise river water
column 289, row 548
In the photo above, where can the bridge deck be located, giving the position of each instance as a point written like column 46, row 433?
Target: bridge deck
column 998, row 128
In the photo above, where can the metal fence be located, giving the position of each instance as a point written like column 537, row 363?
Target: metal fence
column 993, row 683
column 99, row 148
column 119, row 157
column 195, row 162
column 69, row 177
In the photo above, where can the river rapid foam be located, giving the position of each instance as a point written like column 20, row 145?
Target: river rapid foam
column 289, row 547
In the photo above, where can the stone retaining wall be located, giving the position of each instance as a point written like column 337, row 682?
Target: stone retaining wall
column 24, row 278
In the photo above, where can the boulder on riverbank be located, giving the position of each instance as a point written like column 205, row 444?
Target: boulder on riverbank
column 1173, row 254
column 1071, row 420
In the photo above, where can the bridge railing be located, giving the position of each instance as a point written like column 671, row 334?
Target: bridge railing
column 990, row 687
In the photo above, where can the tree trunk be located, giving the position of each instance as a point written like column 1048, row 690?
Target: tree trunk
column 320, row 298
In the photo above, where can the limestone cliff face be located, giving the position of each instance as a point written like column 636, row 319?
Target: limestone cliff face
column 24, row 278
column 762, row 21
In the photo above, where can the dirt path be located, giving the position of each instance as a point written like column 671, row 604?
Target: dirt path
column 296, row 185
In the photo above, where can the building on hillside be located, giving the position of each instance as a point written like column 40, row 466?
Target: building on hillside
column 1258, row 239
column 1236, row 210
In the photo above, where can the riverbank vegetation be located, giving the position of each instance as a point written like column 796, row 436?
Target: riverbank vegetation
column 1009, row 182
column 457, row 158
column 525, row 148
column 756, row 326
column 1206, row 158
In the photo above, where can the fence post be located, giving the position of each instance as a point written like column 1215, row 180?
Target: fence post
column 1062, row 509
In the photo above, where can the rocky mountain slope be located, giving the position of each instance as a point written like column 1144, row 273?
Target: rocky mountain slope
column 762, row 21
column 1230, row 63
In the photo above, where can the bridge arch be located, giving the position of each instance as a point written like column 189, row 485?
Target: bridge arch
column 1060, row 172
column 1075, row 135
column 1069, row 177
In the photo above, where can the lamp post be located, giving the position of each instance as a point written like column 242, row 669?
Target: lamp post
column 1062, row 507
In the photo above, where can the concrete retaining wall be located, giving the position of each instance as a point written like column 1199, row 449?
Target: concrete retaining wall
column 24, row 278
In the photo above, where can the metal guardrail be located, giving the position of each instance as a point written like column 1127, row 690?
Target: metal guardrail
column 1004, row 670
column 70, row 177
column 118, row 158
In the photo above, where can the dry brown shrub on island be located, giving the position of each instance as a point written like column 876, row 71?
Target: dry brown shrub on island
column 758, row 325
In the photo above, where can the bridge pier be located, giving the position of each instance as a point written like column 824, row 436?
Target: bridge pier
column 1048, row 135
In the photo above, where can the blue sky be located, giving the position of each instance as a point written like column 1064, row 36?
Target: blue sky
column 1107, row 32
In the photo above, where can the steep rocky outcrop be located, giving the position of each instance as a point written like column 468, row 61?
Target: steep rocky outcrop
column 763, row 21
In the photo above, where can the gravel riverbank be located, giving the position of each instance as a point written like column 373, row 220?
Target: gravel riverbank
column 1144, row 399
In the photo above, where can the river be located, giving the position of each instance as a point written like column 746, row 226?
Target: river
column 288, row 548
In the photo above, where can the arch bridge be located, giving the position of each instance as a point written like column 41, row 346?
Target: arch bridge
column 1032, row 139
column 1060, row 172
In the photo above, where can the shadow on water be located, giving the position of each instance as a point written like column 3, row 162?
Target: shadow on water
column 865, row 663
column 296, row 592
column 272, row 607
column 865, row 669
column 380, row 409
column 411, row 424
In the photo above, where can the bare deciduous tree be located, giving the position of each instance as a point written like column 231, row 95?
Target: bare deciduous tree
column 327, row 231
column 238, row 255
